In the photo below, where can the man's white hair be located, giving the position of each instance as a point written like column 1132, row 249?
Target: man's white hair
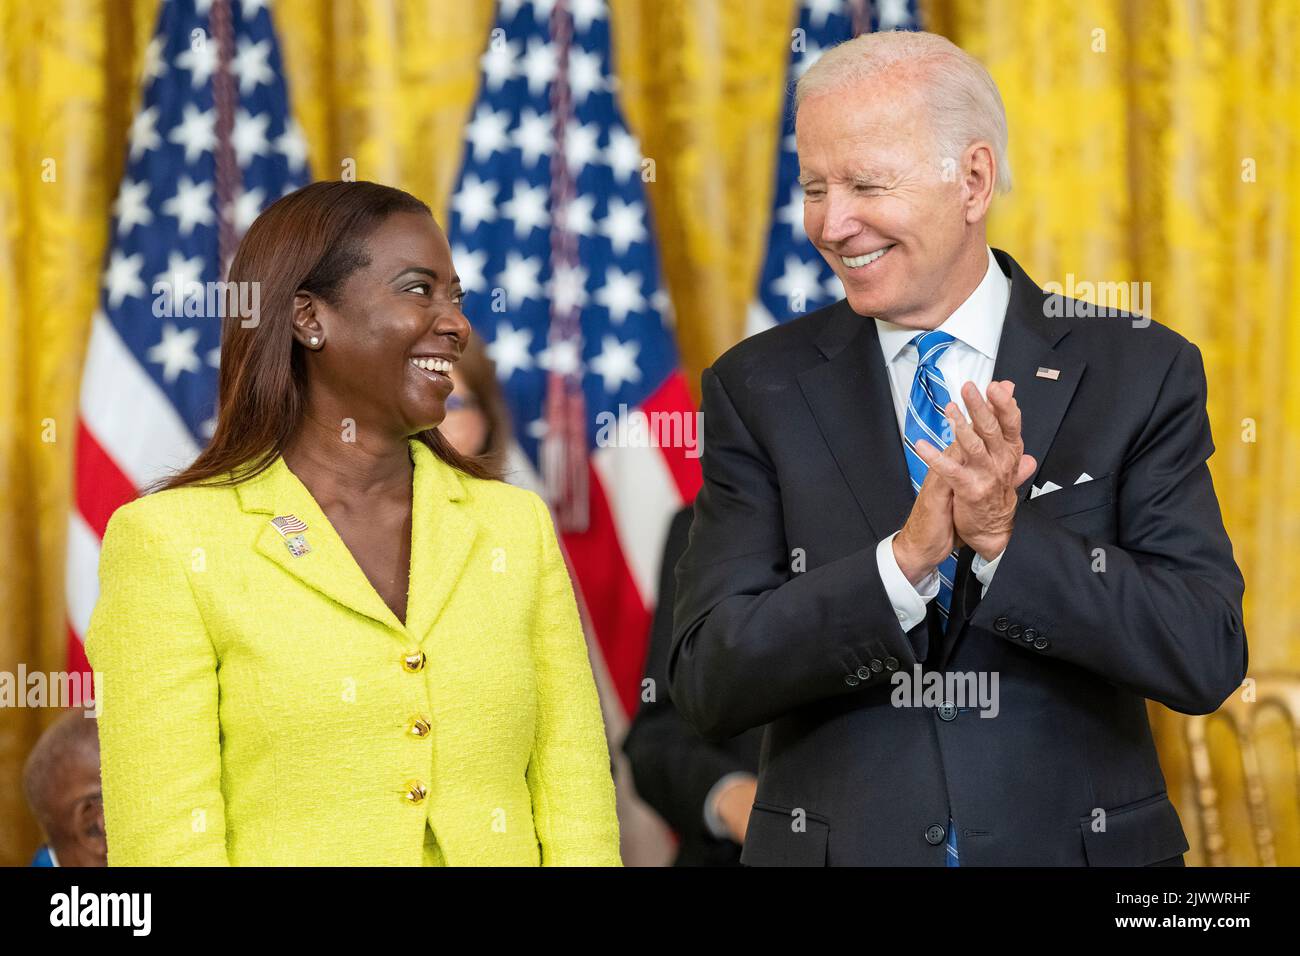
column 963, row 101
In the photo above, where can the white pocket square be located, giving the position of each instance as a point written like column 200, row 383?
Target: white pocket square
column 1049, row 486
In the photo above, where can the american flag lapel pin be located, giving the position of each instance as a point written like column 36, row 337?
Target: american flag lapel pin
column 292, row 529
column 1052, row 373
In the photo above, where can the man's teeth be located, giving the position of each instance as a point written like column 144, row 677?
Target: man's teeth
column 432, row 365
column 857, row 261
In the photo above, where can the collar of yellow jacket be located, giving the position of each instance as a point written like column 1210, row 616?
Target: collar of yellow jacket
column 442, row 535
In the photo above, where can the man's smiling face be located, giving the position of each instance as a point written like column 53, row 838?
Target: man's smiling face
column 876, row 203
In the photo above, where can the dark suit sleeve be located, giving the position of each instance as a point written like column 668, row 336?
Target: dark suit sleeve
column 673, row 768
column 1163, row 618
column 753, row 640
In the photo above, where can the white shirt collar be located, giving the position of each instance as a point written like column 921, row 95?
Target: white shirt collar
column 977, row 321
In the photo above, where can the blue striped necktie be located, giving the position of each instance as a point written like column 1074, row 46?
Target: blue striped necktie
column 925, row 419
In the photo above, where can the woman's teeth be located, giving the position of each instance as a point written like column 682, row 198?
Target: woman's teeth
column 432, row 365
column 858, row 261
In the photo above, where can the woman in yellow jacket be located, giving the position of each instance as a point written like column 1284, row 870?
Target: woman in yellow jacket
column 333, row 639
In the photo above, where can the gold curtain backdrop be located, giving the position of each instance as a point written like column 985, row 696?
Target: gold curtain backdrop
column 1152, row 142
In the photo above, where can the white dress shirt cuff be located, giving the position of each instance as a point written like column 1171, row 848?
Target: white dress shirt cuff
column 712, row 819
column 984, row 570
column 908, row 601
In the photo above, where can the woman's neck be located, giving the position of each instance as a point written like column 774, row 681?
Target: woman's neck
column 345, row 472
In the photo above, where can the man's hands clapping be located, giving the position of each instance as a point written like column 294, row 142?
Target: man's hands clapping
column 969, row 492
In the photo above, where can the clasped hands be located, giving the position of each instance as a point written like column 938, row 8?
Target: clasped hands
column 969, row 492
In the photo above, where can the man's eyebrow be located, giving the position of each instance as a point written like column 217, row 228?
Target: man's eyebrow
column 872, row 174
column 806, row 178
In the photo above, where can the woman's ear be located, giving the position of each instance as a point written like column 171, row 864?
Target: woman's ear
column 306, row 325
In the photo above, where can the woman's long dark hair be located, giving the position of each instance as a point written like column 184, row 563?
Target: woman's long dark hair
column 310, row 240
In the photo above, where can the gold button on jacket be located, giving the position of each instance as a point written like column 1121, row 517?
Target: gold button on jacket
column 258, row 707
column 416, row 792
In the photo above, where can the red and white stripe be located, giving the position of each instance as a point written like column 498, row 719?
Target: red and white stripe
column 128, row 435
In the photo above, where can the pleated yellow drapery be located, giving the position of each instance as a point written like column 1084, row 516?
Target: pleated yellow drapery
column 1159, row 155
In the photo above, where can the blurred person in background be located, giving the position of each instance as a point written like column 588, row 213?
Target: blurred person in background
column 477, row 422
column 703, row 790
column 61, row 784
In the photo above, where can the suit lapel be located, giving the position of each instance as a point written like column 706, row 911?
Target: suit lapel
column 1029, row 338
column 441, row 538
column 850, row 398
column 1028, row 341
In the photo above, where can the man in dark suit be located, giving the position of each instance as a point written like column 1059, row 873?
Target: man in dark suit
column 704, row 790
column 954, row 531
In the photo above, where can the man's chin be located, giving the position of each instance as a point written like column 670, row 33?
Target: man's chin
column 865, row 304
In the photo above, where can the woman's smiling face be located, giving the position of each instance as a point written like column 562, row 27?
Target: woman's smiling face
column 389, row 341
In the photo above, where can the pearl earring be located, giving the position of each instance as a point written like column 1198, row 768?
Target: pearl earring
column 315, row 340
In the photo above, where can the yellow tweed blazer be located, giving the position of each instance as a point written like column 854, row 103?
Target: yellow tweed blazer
column 262, row 708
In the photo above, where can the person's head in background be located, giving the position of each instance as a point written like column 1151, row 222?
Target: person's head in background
column 477, row 421
column 61, row 784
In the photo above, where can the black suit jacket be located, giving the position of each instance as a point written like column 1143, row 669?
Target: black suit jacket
column 1110, row 592
column 673, row 767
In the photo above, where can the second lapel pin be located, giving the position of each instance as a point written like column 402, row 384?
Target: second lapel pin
column 292, row 529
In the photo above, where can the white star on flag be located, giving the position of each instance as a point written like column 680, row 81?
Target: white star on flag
column 200, row 60
column 469, row 267
column 520, row 278
column 624, row 224
column 250, row 65
column 196, row 131
column 621, row 294
column 191, row 205
column 122, row 277
column 249, row 136
column 475, row 202
column 509, row 351
column 532, row 136
column 527, row 208
column 175, row 352
column 487, row 131
column 616, row 363
column 144, row 133
column 131, row 208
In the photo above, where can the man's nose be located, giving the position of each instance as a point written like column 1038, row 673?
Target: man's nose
column 841, row 221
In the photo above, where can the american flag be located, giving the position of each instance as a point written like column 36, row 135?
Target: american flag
column 289, row 524
column 796, row 279
column 551, row 237
column 211, row 145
